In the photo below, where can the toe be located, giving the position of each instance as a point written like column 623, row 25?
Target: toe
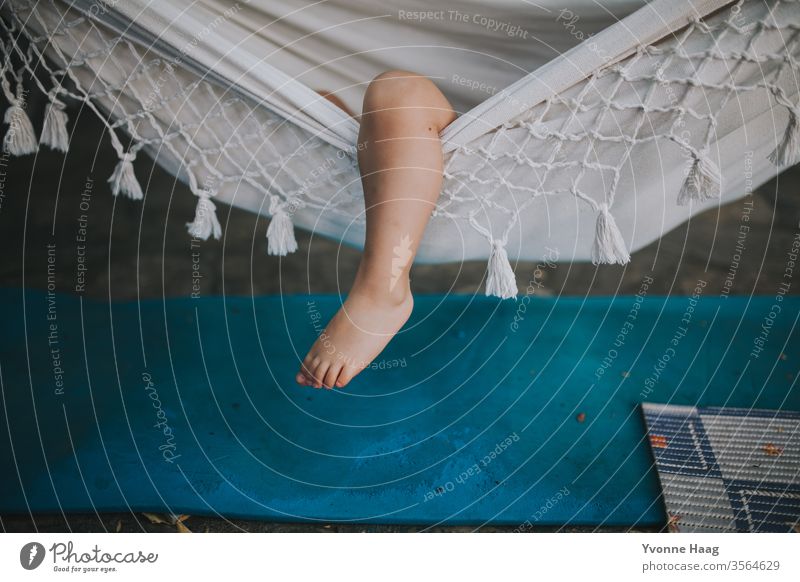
column 300, row 378
column 332, row 375
column 319, row 373
column 345, row 376
column 307, row 372
column 310, row 364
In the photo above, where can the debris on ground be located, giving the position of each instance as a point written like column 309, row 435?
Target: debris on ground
column 672, row 524
column 156, row 518
column 169, row 519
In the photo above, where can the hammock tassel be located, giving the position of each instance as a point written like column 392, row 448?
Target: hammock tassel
column 609, row 246
column 501, row 281
column 280, row 233
column 123, row 180
column 20, row 139
column 703, row 181
column 54, row 130
column 205, row 222
column 788, row 151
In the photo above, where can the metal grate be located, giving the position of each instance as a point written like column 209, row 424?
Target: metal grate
column 727, row 469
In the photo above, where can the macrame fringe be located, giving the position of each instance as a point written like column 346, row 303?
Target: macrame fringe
column 20, row 139
column 123, row 180
column 280, row 235
column 501, row 281
column 702, row 182
column 205, row 222
column 788, row 151
column 54, row 130
column 609, row 246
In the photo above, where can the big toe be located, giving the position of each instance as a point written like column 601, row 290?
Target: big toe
column 347, row 374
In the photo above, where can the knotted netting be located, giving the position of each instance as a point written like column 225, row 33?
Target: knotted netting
column 594, row 155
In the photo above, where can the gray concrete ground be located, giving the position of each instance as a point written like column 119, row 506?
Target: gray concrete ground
column 140, row 250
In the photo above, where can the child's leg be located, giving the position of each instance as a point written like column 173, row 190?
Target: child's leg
column 400, row 159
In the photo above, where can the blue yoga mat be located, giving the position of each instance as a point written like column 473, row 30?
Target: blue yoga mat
column 480, row 411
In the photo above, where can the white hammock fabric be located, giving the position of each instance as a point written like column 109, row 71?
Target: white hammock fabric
column 579, row 136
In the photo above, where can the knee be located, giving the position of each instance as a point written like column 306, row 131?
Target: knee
column 395, row 90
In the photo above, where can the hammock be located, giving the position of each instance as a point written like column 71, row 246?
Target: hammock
column 580, row 137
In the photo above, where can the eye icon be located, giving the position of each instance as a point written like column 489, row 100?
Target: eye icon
column 31, row 555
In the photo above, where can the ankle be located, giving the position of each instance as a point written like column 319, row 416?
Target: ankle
column 393, row 293
column 400, row 293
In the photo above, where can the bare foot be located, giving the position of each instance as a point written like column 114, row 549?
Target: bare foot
column 355, row 336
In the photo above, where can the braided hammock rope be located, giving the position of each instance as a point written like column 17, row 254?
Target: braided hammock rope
column 676, row 106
